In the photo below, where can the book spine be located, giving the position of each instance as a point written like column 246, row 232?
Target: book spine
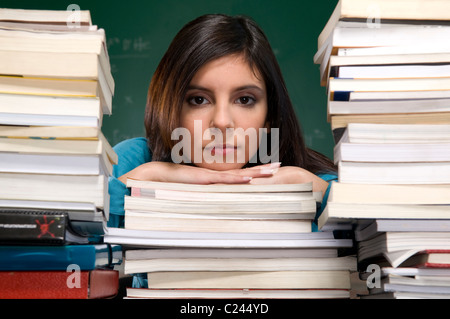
column 59, row 284
column 44, row 285
column 32, row 227
column 50, row 258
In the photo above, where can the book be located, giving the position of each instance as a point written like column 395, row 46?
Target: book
column 238, row 264
column 40, row 45
column 64, row 87
column 77, row 211
column 51, row 187
column 397, row 247
column 160, row 239
column 251, row 279
column 45, row 227
column 398, row 36
column 175, row 253
column 399, row 95
column 394, row 173
column 429, row 259
column 49, row 38
column 212, row 223
column 345, row 212
column 222, row 196
column 54, row 164
column 69, row 65
column 413, row 285
column 57, row 258
column 27, row 104
column 219, row 188
column 82, row 66
column 49, row 120
column 44, row 16
column 93, row 284
column 50, row 132
column 418, row 10
column 436, row 118
column 414, row 272
column 390, row 71
column 374, row 227
column 45, row 27
column 306, row 207
column 99, row 146
column 395, row 133
column 387, row 107
column 438, row 194
column 408, row 84
column 394, row 153
column 388, row 60
column 238, row 293
column 48, row 86
column 19, row 227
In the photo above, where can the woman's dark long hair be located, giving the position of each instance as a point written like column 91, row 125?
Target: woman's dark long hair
column 207, row 38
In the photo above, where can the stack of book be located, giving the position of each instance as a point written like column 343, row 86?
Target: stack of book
column 388, row 104
column 55, row 87
column 229, row 241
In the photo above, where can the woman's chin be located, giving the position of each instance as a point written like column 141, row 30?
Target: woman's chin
column 220, row 166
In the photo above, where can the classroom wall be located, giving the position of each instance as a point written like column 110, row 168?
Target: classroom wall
column 139, row 32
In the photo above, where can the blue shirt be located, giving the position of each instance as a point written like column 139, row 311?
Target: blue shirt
column 135, row 152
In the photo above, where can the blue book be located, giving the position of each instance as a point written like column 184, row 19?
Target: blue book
column 86, row 257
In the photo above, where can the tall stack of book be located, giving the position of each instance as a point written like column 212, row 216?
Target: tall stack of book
column 55, row 86
column 229, row 241
column 386, row 73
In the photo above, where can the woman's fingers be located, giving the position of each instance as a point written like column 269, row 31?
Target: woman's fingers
column 265, row 170
column 177, row 173
column 227, row 178
column 196, row 175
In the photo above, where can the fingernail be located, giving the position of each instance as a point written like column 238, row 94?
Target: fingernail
column 247, row 178
column 276, row 164
column 266, row 171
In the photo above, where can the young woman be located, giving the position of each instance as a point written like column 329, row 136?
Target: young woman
column 219, row 75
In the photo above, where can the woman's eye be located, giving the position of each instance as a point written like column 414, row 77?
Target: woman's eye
column 197, row 100
column 246, row 100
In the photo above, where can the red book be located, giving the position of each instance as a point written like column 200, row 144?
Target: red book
column 92, row 284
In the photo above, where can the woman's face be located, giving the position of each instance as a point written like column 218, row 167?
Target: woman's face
column 224, row 109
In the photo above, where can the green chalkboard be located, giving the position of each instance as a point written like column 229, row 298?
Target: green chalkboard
column 139, row 32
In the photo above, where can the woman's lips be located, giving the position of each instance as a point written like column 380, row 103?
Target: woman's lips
column 222, row 149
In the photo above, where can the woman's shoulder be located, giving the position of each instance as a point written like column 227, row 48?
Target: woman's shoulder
column 328, row 176
column 132, row 153
column 135, row 143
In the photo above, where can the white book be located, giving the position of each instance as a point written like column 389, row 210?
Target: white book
column 167, row 253
column 239, row 264
column 394, row 173
column 395, row 133
column 394, row 153
column 398, row 95
column 201, row 240
column 54, row 164
column 46, row 187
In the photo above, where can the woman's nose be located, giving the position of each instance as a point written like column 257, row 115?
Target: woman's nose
column 222, row 115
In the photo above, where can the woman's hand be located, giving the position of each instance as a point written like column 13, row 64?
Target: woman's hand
column 293, row 175
column 178, row 173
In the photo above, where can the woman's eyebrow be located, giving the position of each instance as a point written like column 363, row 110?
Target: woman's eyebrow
column 197, row 87
column 237, row 89
column 248, row 87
